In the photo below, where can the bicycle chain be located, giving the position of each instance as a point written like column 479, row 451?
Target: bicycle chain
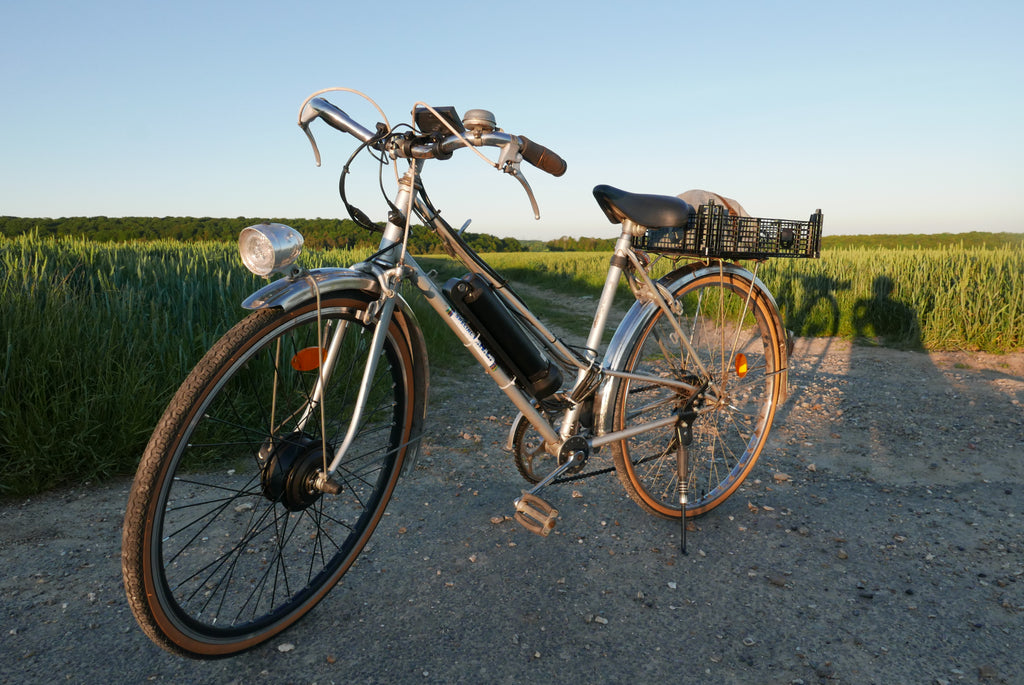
column 581, row 476
column 600, row 472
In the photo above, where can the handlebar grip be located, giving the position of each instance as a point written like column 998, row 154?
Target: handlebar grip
column 541, row 157
column 335, row 118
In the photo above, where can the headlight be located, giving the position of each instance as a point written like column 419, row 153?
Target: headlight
column 267, row 249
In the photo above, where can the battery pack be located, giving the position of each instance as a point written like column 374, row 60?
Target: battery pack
column 473, row 297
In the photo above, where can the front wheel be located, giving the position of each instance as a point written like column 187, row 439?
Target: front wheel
column 737, row 356
column 226, row 540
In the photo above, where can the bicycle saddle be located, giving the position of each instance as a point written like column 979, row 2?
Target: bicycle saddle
column 652, row 211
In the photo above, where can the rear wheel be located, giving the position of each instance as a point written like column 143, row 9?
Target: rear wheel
column 227, row 541
column 738, row 357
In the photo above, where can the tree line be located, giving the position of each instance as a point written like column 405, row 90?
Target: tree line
column 346, row 234
column 318, row 233
column 971, row 239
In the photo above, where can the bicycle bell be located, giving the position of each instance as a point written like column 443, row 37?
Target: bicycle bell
column 479, row 121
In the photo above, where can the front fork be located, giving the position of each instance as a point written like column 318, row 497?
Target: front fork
column 324, row 481
column 392, row 252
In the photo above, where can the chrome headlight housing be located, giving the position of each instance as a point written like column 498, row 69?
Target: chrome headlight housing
column 269, row 248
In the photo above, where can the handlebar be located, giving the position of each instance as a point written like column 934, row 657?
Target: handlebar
column 431, row 142
column 432, row 147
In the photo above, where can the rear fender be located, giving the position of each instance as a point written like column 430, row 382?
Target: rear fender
column 638, row 317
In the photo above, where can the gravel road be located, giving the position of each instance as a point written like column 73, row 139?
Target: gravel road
column 879, row 540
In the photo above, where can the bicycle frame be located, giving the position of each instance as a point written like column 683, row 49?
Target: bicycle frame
column 393, row 264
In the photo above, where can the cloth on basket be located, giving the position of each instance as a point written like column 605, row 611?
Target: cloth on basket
column 701, row 197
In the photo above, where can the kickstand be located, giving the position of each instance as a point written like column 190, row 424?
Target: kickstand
column 684, row 436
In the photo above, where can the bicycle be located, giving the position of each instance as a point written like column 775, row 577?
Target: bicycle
column 275, row 459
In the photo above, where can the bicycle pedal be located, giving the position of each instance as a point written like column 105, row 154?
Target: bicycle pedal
column 535, row 515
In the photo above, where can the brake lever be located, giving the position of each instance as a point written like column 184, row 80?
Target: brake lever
column 306, row 117
column 312, row 141
column 513, row 169
column 509, row 163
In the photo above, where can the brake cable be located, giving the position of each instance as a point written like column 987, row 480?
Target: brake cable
column 357, row 214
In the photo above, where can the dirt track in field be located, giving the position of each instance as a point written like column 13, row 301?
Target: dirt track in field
column 879, row 540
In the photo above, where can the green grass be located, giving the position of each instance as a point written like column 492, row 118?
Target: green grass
column 947, row 298
column 936, row 299
column 95, row 337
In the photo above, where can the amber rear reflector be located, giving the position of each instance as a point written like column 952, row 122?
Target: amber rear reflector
column 308, row 359
column 741, row 365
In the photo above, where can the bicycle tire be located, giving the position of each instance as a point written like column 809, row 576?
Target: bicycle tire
column 728, row 318
column 224, row 543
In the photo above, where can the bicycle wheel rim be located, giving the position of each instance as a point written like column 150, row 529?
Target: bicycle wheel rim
column 732, row 327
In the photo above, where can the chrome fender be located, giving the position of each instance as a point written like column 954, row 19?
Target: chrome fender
column 640, row 315
column 288, row 294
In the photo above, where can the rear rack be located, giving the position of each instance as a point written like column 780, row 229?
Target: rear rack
column 713, row 232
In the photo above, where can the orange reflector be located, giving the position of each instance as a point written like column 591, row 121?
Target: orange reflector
column 308, row 359
column 741, row 365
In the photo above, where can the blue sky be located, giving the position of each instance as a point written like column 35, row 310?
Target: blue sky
column 895, row 116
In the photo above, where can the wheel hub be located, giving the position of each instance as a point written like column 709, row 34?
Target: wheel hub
column 696, row 398
column 290, row 466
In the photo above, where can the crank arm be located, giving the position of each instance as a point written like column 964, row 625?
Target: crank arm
column 574, row 460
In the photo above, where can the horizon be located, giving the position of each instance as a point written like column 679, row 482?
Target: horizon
column 825, row 234
column 893, row 118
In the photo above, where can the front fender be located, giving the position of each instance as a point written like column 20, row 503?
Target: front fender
column 287, row 294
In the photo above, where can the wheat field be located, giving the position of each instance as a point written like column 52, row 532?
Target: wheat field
column 95, row 337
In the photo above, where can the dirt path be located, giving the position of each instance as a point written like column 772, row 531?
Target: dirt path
column 878, row 541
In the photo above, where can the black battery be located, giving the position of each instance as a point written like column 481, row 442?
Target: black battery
column 473, row 297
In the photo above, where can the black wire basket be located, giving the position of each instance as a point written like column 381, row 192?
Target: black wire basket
column 713, row 232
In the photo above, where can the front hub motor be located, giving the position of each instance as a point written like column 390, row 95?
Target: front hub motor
column 290, row 467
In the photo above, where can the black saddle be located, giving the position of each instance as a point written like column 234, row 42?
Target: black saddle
column 652, row 211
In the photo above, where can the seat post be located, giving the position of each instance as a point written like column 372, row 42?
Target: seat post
column 632, row 229
column 619, row 261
